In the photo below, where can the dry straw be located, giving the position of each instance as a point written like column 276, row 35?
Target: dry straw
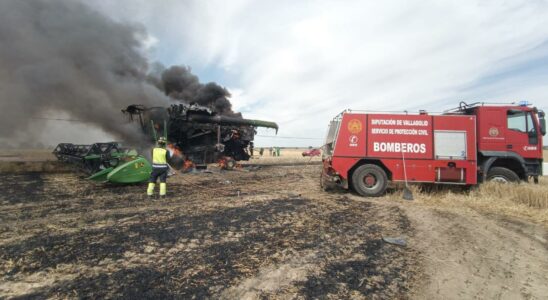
column 532, row 195
column 520, row 200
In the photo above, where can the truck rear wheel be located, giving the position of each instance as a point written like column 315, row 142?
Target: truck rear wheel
column 369, row 180
column 502, row 175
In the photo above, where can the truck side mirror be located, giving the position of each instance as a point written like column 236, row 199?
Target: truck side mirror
column 542, row 122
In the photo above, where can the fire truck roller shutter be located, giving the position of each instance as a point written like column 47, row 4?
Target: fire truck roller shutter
column 369, row 180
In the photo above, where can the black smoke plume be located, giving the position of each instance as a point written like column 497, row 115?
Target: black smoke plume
column 63, row 56
column 178, row 82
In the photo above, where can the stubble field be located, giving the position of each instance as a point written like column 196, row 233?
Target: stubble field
column 268, row 232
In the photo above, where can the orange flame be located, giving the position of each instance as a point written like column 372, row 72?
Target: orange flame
column 188, row 165
column 176, row 151
column 222, row 163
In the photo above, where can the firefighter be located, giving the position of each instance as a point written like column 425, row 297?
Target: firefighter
column 160, row 168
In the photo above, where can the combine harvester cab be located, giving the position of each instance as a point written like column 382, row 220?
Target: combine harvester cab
column 105, row 162
column 464, row 146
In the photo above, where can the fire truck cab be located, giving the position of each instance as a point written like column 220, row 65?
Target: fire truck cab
column 465, row 146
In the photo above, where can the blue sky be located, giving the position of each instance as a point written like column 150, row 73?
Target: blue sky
column 301, row 62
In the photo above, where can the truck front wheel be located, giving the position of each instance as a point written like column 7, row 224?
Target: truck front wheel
column 369, row 180
column 502, row 175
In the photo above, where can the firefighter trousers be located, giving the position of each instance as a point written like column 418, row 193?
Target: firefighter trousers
column 157, row 173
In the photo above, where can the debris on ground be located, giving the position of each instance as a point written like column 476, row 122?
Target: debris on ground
column 400, row 241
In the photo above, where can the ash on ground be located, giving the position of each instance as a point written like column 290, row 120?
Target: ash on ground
column 270, row 233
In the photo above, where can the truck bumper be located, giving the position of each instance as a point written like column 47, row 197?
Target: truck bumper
column 328, row 182
column 330, row 179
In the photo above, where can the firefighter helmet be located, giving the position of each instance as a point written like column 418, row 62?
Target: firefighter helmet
column 162, row 140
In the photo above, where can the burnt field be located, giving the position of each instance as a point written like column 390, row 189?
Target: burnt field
column 266, row 233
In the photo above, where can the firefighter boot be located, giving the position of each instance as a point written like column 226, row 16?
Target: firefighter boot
column 163, row 189
column 150, row 190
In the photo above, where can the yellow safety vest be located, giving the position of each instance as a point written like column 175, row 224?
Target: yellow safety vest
column 159, row 157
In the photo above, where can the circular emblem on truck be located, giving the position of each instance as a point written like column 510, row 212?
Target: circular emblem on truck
column 493, row 131
column 354, row 126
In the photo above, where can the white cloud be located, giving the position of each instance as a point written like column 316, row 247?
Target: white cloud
column 302, row 62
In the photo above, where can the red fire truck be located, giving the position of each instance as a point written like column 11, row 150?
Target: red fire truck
column 466, row 145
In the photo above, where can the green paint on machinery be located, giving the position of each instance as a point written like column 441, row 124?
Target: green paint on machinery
column 101, row 176
column 137, row 170
column 106, row 162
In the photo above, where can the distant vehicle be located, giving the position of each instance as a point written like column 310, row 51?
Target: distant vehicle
column 312, row 152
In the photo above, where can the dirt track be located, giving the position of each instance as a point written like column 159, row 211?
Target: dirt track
column 468, row 255
column 266, row 233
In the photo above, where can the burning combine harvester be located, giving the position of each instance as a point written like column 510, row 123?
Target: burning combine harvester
column 198, row 136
